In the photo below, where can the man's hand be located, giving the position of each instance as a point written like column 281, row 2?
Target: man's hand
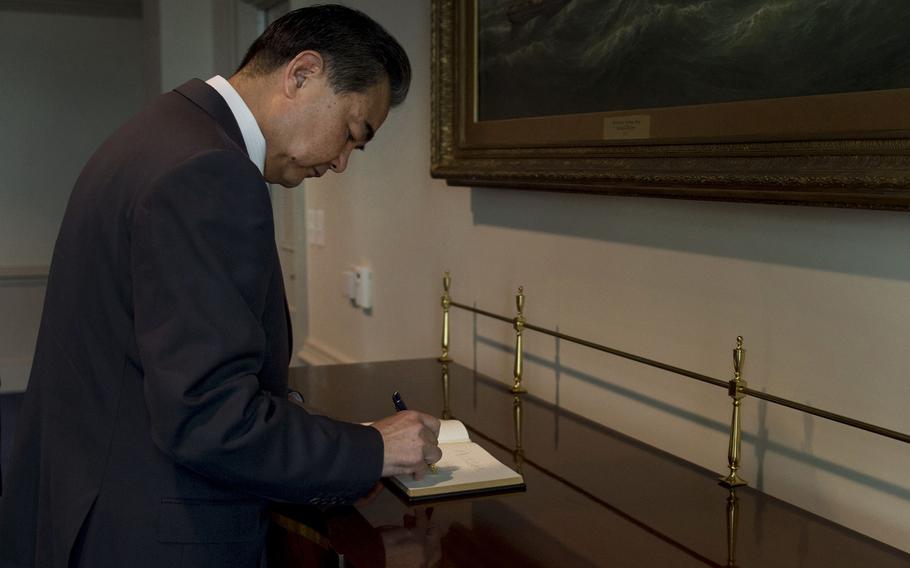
column 410, row 440
column 368, row 498
column 417, row 543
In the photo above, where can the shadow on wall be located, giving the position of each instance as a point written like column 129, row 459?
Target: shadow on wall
column 760, row 443
column 838, row 240
column 855, row 242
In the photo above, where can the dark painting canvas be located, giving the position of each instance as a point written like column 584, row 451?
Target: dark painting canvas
column 557, row 57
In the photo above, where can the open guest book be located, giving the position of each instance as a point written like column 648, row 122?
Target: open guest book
column 465, row 469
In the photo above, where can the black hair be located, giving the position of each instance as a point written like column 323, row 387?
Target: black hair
column 357, row 51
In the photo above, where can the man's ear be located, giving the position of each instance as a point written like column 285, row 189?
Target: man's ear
column 305, row 66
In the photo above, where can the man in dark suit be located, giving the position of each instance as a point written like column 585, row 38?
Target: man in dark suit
column 156, row 428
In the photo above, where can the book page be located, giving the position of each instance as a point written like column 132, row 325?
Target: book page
column 464, row 466
column 451, row 431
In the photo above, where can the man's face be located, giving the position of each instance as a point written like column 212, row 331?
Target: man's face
column 316, row 129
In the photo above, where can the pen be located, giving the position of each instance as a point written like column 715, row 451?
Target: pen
column 399, row 406
column 398, row 402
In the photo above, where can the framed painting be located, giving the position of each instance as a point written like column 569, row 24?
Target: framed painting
column 775, row 101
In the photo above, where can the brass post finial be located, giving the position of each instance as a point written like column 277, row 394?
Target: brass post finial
column 446, row 304
column 738, row 357
column 735, row 389
column 519, row 325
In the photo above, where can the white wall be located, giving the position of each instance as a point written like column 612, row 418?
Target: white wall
column 822, row 297
column 187, row 41
column 73, row 80
column 202, row 38
column 68, row 81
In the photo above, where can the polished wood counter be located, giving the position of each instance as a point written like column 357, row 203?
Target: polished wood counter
column 594, row 496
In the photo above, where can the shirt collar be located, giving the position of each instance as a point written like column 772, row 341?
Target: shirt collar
column 249, row 128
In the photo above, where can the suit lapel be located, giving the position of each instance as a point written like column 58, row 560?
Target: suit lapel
column 208, row 99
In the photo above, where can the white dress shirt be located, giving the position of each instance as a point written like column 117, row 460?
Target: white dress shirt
column 249, row 128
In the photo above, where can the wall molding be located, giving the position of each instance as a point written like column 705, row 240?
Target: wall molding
column 22, row 274
column 314, row 352
column 108, row 8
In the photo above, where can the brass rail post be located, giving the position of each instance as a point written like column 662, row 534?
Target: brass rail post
column 519, row 325
column 446, row 303
column 735, row 390
column 519, row 453
column 732, row 526
column 446, row 413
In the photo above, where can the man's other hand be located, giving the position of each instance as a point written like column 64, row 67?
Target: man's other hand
column 411, row 443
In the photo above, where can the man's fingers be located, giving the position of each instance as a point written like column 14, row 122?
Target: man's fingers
column 411, row 441
column 428, row 436
column 430, row 422
column 431, row 454
column 420, row 470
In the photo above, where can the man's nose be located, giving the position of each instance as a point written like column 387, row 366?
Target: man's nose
column 340, row 163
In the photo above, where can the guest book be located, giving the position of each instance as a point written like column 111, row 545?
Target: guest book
column 465, row 469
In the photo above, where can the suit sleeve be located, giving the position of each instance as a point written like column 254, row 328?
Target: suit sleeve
column 202, row 259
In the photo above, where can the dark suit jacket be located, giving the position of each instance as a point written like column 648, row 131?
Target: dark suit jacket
column 156, row 427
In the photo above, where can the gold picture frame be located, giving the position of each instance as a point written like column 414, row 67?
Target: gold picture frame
column 842, row 150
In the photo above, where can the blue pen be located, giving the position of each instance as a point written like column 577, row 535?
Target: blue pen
column 398, row 402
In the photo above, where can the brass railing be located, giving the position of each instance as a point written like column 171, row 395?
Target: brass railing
column 736, row 387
